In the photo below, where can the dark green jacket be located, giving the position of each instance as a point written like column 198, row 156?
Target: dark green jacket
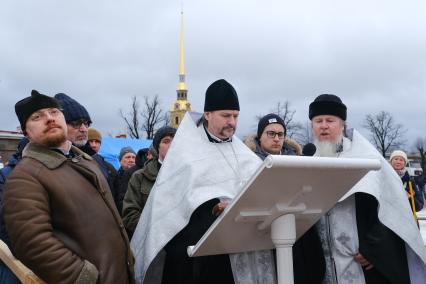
column 139, row 187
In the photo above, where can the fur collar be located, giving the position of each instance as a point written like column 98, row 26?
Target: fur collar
column 250, row 142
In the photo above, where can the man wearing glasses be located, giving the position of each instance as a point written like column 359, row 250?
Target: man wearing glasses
column 58, row 209
column 78, row 121
column 271, row 138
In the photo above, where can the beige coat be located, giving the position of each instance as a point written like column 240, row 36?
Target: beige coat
column 62, row 220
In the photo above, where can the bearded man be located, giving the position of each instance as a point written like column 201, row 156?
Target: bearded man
column 58, row 208
column 205, row 166
column 369, row 236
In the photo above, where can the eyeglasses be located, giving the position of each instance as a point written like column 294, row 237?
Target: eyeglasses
column 272, row 134
column 77, row 123
column 39, row 115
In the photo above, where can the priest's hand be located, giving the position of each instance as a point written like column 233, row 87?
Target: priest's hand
column 364, row 262
column 218, row 208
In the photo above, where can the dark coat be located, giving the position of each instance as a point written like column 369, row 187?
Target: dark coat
column 179, row 268
column 123, row 182
column 107, row 170
column 4, row 173
column 379, row 245
column 6, row 275
column 139, row 187
column 62, row 221
column 418, row 200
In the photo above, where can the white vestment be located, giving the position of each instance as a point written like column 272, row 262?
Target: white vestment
column 393, row 211
column 193, row 172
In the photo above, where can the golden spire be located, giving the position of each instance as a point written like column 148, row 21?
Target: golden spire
column 181, row 105
column 181, row 84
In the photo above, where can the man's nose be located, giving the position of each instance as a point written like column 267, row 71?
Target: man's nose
column 83, row 127
column 232, row 121
column 324, row 124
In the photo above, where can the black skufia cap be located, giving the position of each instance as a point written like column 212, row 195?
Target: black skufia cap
column 327, row 104
column 26, row 107
column 220, row 95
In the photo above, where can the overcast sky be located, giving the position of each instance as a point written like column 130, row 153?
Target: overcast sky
column 370, row 53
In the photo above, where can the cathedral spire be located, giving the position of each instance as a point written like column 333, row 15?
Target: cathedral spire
column 182, row 84
column 181, row 105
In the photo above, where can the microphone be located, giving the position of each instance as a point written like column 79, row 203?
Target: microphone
column 309, row 150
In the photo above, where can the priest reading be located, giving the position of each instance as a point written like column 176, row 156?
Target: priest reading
column 206, row 166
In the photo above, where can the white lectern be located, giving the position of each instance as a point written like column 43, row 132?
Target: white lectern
column 283, row 199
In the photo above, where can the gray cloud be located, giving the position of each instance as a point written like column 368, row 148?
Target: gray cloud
column 103, row 52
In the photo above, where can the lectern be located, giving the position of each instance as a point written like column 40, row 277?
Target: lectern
column 283, row 199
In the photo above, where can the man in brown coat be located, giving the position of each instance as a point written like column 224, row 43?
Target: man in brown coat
column 58, row 208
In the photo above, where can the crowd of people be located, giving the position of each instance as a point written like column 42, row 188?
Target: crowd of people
column 71, row 217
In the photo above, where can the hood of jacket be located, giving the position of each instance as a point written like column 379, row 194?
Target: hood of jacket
column 151, row 169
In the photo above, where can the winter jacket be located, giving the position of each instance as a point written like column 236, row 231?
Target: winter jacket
column 418, row 200
column 6, row 275
column 290, row 147
column 140, row 186
column 4, row 173
column 107, row 169
column 62, row 220
column 123, row 184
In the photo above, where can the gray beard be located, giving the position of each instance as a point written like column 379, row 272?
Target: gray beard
column 80, row 143
column 328, row 148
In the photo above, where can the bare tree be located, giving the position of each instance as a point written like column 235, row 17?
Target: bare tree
column 287, row 114
column 385, row 134
column 305, row 136
column 131, row 119
column 166, row 118
column 152, row 116
column 148, row 119
column 420, row 146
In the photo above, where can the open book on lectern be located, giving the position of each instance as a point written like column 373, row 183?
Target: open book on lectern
column 307, row 187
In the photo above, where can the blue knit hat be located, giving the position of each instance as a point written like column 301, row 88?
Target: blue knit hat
column 72, row 109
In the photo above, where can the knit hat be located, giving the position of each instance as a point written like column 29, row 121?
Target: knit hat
column 398, row 153
column 27, row 106
column 269, row 119
column 327, row 104
column 161, row 133
column 72, row 109
column 124, row 151
column 220, row 95
column 93, row 134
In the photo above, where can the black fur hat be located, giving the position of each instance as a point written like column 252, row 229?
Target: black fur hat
column 327, row 104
